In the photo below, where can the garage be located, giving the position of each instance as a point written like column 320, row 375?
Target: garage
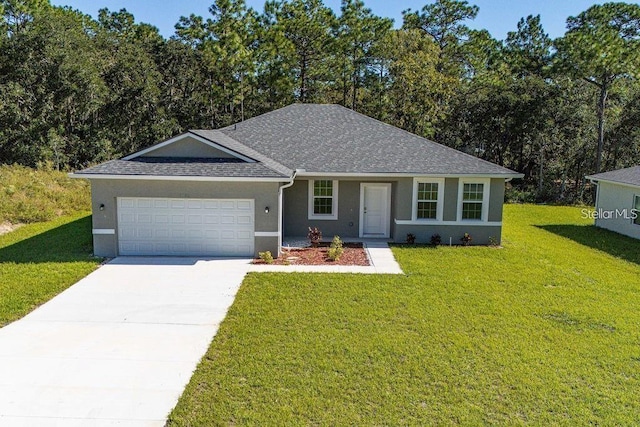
column 185, row 227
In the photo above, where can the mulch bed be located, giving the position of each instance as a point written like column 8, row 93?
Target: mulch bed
column 354, row 254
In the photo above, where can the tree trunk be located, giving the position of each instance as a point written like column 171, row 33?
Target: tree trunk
column 602, row 101
column 541, row 170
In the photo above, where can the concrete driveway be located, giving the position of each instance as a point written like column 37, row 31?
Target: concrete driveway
column 118, row 347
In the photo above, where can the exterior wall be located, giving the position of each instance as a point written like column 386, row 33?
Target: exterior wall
column 450, row 212
column 479, row 233
column 107, row 191
column 496, row 199
column 296, row 202
column 611, row 197
column 296, row 209
column 188, row 147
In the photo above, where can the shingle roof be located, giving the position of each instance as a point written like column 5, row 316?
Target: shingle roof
column 223, row 139
column 317, row 138
column 630, row 176
column 334, row 139
column 171, row 166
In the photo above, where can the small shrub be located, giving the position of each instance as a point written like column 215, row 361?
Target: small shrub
column 411, row 238
column 493, row 242
column 466, row 239
column 266, row 257
column 335, row 250
column 314, row 236
column 436, row 240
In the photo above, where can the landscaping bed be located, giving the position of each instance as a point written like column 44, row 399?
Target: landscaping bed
column 354, row 254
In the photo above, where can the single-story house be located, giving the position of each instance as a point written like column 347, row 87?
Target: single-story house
column 239, row 190
column 618, row 200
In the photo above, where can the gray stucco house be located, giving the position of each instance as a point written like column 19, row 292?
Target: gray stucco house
column 618, row 200
column 239, row 190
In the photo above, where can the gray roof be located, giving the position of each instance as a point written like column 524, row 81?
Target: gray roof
column 334, row 139
column 171, row 166
column 223, row 139
column 317, row 138
column 630, row 176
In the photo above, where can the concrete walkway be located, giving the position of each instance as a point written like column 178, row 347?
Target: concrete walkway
column 380, row 257
column 118, row 347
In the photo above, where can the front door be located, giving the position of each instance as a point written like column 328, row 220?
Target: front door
column 375, row 204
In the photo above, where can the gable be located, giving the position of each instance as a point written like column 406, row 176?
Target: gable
column 188, row 146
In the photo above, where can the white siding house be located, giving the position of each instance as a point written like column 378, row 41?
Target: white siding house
column 618, row 200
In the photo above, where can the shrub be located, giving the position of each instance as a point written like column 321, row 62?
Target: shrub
column 436, row 240
column 466, row 239
column 411, row 238
column 266, row 257
column 335, row 250
column 314, row 236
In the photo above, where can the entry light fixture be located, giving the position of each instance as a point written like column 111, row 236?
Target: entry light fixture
column 266, row 209
column 101, row 206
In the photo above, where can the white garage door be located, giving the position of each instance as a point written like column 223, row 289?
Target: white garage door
column 185, row 227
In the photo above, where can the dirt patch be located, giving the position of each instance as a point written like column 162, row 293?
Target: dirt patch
column 354, row 254
column 7, row 227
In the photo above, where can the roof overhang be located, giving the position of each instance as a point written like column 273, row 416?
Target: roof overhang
column 404, row 175
column 179, row 178
column 609, row 181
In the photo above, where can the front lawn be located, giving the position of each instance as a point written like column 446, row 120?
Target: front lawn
column 543, row 331
column 38, row 261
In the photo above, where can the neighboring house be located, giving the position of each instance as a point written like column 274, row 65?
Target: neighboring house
column 238, row 190
column 618, row 200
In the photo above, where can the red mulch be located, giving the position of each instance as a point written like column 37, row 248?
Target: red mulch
column 354, row 254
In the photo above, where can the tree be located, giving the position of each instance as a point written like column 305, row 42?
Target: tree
column 527, row 51
column 308, row 25
column 358, row 33
column 227, row 44
column 601, row 46
column 443, row 21
column 417, row 89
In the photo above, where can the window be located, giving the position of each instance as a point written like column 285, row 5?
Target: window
column 636, row 206
column 427, row 198
column 473, row 200
column 323, row 199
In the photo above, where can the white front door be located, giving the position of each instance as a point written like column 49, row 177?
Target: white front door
column 375, row 204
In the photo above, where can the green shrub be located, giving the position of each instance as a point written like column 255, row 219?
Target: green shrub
column 266, row 257
column 335, row 250
column 466, row 239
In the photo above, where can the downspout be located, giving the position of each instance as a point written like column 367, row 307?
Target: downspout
column 280, row 205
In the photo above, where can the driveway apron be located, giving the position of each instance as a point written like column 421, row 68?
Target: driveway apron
column 118, row 347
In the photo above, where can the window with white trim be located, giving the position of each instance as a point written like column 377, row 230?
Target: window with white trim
column 473, row 199
column 427, row 199
column 472, row 194
column 636, row 206
column 323, row 199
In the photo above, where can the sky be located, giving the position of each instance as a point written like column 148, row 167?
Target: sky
column 497, row 16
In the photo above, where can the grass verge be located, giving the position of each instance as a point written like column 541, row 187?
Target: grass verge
column 543, row 331
column 38, row 261
column 34, row 195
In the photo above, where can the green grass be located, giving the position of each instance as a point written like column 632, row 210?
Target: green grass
column 38, row 261
column 35, row 195
column 545, row 331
